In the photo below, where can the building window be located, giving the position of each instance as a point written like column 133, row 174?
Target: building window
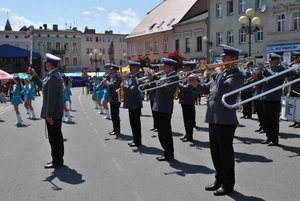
column 140, row 50
column 6, row 36
column 258, row 4
column 296, row 20
column 280, row 23
column 133, row 50
column 87, row 39
column 97, row 39
column 188, row 45
column 16, row 36
column 260, row 35
column 57, row 45
column 177, row 45
column 219, row 40
column 48, row 45
column 170, row 22
column 57, row 36
column 74, row 46
column 242, row 4
column 66, row 46
column 230, row 37
column 160, row 24
column 75, row 61
column 242, row 36
column 199, row 44
column 155, row 46
column 91, row 39
column 147, row 45
column 166, row 45
column 229, row 8
column 67, row 62
column 40, row 45
column 219, row 9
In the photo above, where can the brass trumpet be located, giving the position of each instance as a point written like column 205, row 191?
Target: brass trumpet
column 145, row 78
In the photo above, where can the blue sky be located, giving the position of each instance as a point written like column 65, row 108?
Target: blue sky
column 119, row 15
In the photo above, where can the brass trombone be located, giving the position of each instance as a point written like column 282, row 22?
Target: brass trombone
column 200, row 68
column 145, row 78
column 295, row 67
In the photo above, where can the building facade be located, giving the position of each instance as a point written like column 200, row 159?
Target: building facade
column 224, row 26
column 285, row 15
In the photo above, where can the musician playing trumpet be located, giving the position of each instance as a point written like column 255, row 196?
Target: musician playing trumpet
column 133, row 102
column 222, row 120
column 163, row 106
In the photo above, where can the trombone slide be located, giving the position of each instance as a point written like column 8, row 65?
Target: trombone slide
column 256, row 83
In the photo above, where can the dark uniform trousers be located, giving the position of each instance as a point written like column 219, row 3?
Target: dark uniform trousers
column 271, row 114
column 189, row 113
column 115, row 116
column 247, row 107
column 164, row 131
column 222, row 154
column 153, row 115
column 258, row 104
column 56, row 141
column 135, row 124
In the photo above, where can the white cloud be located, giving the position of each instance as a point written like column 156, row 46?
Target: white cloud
column 86, row 13
column 5, row 10
column 20, row 21
column 101, row 9
column 126, row 20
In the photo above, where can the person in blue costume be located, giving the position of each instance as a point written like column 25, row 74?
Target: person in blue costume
column 66, row 98
column 104, row 99
column 99, row 93
column 94, row 97
column 29, row 91
column 16, row 99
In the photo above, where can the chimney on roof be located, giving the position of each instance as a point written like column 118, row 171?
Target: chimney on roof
column 45, row 26
column 55, row 27
column 74, row 28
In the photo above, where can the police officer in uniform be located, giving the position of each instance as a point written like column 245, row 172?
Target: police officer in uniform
column 133, row 102
column 52, row 109
column 222, row 121
column 113, row 83
column 272, row 101
column 295, row 88
column 163, row 106
column 187, row 101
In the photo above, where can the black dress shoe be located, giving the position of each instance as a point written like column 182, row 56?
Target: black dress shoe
column 152, row 129
column 134, row 144
column 294, row 124
column 222, row 191
column 165, row 158
column 215, row 186
column 265, row 142
column 155, row 130
column 111, row 132
column 53, row 165
column 183, row 138
column 297, row 125
column 271, row 144
column 242, row 117
column 187, row 140
column 114, row 133
column 262, row 131
column 258, row 130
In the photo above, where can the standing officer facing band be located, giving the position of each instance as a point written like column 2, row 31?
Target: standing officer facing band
column 272, row 101
column 187, row 101
column 222, row 121
column 163, row 106
column 133, row 102
column 52, row 109
column 113, row 84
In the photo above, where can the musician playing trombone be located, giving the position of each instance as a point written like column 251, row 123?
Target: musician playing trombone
column 272, row 101
column 163, row 106
column 295, row 88
column 222, row 120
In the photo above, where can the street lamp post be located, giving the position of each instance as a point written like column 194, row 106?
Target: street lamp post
column 125, row 58
column 209, row 51
column 249, row 25
column 96, row 56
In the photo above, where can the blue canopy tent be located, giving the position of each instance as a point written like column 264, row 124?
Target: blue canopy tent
column 16, row 60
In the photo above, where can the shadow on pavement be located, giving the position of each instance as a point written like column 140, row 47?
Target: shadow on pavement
column 199, row 144
column 239, row 196
column 244, row 157
column 123, row 137
column 295, row 150
column 199, row 128
column 66, row 175
column 186, row 168
column 247, row 140
column 176, row 134
column 148, row 150
column 288, row 135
